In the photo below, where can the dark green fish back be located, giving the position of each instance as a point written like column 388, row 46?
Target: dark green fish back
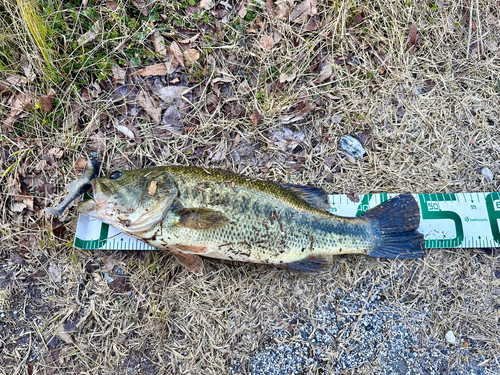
column 276, row 190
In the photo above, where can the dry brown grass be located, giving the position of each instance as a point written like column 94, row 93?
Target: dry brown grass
column 169, row 321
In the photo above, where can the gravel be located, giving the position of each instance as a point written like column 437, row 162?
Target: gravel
column 380, row 341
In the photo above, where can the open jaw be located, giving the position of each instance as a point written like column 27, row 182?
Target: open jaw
column 92, row 207
column 127, row 220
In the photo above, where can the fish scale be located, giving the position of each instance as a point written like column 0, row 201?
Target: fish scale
column 251, row 234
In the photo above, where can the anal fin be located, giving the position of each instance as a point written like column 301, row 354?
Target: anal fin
column 191, row 261
column 313, row 263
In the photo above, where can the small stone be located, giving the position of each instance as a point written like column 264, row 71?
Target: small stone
column 352, row 146
column 450, row 337
column 488, row 173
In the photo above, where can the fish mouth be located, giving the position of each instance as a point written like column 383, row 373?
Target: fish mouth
column 90, row 207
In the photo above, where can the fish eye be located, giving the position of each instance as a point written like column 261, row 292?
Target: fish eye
column 115, row 175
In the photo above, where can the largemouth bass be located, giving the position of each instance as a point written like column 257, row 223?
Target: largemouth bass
column 192, row 211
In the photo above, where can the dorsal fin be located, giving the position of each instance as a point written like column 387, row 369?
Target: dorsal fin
column 316, row 197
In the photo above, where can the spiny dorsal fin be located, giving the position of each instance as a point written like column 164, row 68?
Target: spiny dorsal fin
column 200, row 218
column 316, row 197
column 313, row 263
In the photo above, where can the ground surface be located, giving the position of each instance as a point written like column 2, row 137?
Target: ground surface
column 268, row 91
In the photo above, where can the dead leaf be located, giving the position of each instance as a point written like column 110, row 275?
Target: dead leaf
column 282, row 9
column 359, row 18
column 118, row 75
column 64, row 336
column 353, row 196
column 491, row 45
column 171, row 94
column 141, row 6
column 211, row 60
column 288, row 77
column 312, row 25
column 490, row 20
column 237, row 110
column 242, row 12
column 159, row 44
column 300, row 115
column 28, row 68
column 175, row 50
column 206, row 4
column 74, row 115
column 190, row 40
column 414, row 41
column 303, row 10
column 191, row 55
column 15, row 80
column 147, row 102
column 152, row 70
column 111, row 5
column 267, row 42
column 152, row 187
column 413, row 35
column 255, row 117
column 120, row 285
column 125, row 130
column 287, row 140
column 17, row 206
column 325, row 72
column 109, row 263
column 276, row 37
column 244, row 88
column 56, row 151
column 270, row 8
column 219, row 13
column 80, row 164
column 47, row 101
column 90, row 35
column 98, row 142
column 17, row 259
column 366, row 139
column 54, row 272
column 171, row 126
column 22, row 101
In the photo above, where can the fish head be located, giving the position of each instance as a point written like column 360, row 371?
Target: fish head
column 131, row 201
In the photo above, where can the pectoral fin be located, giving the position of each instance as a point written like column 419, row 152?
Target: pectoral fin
column 191, row 261
column 200, row 218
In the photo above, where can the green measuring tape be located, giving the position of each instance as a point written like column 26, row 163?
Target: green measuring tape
column 448, row 221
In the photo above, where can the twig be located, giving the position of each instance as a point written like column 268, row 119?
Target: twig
column 470, row 28
column 479, row 29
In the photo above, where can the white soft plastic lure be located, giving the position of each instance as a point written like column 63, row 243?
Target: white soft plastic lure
column 77, row 188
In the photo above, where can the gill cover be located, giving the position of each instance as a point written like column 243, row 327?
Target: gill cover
column 132, row 201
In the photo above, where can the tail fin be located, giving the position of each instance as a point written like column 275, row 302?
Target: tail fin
column 397, row 220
